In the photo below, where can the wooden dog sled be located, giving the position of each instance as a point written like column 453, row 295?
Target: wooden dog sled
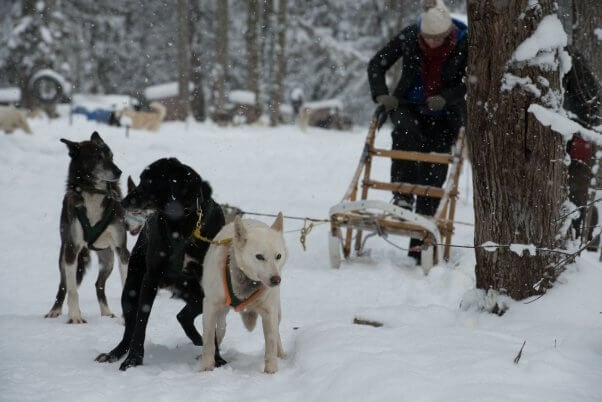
column 352, row 216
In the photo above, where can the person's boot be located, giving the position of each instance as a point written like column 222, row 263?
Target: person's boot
column 405, row 201
column 416, row 250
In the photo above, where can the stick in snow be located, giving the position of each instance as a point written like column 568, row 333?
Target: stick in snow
column 520, row 352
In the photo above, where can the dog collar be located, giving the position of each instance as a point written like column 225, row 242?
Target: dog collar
column 231, row 299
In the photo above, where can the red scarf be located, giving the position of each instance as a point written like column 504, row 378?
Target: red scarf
column 432, row 61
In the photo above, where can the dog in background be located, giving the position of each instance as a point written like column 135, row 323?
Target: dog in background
column 244, row 276
column 91, row 219
column 12, row 118
column 143, row 120
column 175, row 200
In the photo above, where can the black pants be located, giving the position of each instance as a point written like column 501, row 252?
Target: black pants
column 414, row 131
column 580, row 175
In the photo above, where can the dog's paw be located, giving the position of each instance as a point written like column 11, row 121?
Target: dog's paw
column 106, row 358
column 282, row 354
column 207, row 365
column 53, row 314
column 131, row 361
column 219, row 361
column 270, row 368
column 76, row 320
column 109, row 314
column 197, row 340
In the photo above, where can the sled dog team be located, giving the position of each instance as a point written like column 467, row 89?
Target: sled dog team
column 183, row 245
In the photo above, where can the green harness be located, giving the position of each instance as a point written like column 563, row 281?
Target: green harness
column 92, row 233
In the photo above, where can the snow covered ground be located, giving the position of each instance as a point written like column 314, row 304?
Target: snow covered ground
column 428, row 350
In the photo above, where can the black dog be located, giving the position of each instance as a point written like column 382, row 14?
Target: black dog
column 91, row 219
column 166, row 255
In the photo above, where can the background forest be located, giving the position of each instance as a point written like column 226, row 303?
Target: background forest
column 123, row 46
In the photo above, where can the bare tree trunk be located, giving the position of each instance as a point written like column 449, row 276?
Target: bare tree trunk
column 587, row 18
column 278, row 89
column 518, row 165
column 197, row 101
column 221, row 43
column 267, row 50
column 252, row 78
column 183, row 61
column 27, row 100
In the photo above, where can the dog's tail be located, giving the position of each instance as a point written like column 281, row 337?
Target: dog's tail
column 249, row 319
column 159, row 108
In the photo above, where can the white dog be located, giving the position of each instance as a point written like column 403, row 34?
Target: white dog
column 12, row 118
column 143, row 120
column 244, row 275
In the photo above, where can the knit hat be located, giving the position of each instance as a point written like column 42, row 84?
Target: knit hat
column 435, row 20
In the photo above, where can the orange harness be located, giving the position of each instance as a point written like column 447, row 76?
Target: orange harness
column 231, row 300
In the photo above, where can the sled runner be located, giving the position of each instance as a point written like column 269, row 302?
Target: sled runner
column 352, row 216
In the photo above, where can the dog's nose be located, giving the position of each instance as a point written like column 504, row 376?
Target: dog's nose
column 118, row 172
column 275, row 280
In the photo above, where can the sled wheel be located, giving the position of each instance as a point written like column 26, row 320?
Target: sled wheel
column 334, row 248
column 427, row 257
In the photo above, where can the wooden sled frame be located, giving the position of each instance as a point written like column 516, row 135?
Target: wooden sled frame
column 384, row 218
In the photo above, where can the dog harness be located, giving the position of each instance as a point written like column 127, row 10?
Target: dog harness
column 92, row 233
column 231, row 299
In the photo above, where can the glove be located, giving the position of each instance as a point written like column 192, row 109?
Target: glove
column 388, row 101
column 435, row 103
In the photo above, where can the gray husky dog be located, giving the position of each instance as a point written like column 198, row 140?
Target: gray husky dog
column 92, row 218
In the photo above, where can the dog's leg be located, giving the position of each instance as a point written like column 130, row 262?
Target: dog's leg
column 281, row 352
column 70, row 261
column 130, row 296
column 123, row 256
column 106, row 260
column 57, row 308
column 193, row 295
column 186, row 318
column 210, row 313
column 269, row 319
column 148, row 292
column 220, row 332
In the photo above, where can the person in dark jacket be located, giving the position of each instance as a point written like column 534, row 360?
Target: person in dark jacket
column 582, row 98
column 427, row 106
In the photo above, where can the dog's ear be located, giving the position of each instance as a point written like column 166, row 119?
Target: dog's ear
column 95, row 137
column 73, row 147
column 240, row 233
column 278, row 223
column 131, row 184
column 206, row 190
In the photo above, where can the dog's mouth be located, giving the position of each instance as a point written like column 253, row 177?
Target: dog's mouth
column 135, row 221
column 106, row 178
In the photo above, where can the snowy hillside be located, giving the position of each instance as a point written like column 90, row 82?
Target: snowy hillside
column 427, row 350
